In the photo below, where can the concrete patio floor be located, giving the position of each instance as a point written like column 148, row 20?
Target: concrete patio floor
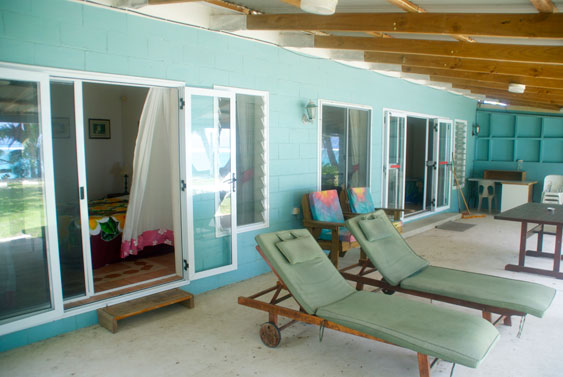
column 220, row 337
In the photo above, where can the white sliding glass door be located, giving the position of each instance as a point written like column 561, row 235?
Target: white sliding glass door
column 211, row 182
column 394, row 140
column 443, row 159
column 30, row 283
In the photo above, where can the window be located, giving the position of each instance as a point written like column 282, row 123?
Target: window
column 252, row 157
column 345, row 138
column 460, row 152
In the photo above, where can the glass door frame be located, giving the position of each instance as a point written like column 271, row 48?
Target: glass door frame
column 387, row 114
column 435, row 150
column 44, row 76
column 187, row 194
column 51, row 237
column 347, row 106
column 447, row 184
column 79, row 81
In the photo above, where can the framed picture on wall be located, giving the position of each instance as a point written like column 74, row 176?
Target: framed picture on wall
column 99, row 129
column 60, row 127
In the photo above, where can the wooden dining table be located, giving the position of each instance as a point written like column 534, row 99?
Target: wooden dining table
column 540, row 215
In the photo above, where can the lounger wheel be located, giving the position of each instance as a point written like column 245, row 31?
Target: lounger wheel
column 270, row 334
column 387, row 291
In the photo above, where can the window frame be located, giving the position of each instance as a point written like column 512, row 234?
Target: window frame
column 347, row 106
column 266, row 98
column 454, row 145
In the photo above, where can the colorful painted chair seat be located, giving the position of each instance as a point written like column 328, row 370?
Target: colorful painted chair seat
column 325, row 206
column 323, row 217
column 359, row 201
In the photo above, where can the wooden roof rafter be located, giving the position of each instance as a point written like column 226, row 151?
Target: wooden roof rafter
column 413, row 8
column 297, row 4
column 489, row 77
column 491, row 51
column 496, row 85
column 537, row 25
column 467, row 64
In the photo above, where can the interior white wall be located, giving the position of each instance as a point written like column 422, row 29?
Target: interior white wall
column 106, row 158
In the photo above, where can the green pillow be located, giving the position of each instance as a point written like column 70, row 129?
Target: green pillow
column 373, row 229
column 300, row 249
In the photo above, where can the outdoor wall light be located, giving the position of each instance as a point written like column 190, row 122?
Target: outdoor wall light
column 476, row 129
column 310, row 112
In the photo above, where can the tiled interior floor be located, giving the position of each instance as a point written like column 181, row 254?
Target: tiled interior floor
column 220, row 338
column 124, row 273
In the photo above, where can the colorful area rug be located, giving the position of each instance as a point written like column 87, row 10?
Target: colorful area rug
column 126, row 270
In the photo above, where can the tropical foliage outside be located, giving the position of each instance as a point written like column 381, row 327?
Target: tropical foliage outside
column 21, row 184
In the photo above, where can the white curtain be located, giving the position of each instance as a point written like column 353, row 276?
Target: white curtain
column 358, row 153
column 153, row 210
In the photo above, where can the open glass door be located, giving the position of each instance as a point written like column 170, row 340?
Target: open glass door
column 443, row 160
column 30, row 284
column 393, row 160
column 210, row 155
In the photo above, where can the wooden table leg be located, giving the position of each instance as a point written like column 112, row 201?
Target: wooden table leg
column 557, row 254
column 523, row 237
column 540, row 239
column 488, row 316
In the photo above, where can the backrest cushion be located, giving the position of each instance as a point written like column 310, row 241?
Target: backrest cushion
column 360, row 200
column 385, row 247
column 325, row 206
column 300, row 249
column 314, row 282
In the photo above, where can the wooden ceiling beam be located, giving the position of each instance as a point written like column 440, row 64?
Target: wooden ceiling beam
column 544, row 6
column 496, row 85
column 463, row 64
column 538, row 25
column 408, row 6
column 492, row 51
column 507, row 95
column 526, row 80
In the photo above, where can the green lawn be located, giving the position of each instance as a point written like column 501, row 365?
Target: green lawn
column 21, row 209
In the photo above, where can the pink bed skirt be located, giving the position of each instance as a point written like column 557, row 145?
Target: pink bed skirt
column 148, row 238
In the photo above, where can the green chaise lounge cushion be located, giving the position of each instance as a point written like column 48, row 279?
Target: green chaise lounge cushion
column 389, row 245
column 320, row 289
column 376, row 232
column 450, row 335
column 314, row 282
column 490, row 290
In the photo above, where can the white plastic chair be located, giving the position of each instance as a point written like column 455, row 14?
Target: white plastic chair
column 486, row 190
column 552, row 189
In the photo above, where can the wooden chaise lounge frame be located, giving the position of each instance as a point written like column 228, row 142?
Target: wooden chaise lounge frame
column 270, row 332
column 366, row 268
column 402, row 263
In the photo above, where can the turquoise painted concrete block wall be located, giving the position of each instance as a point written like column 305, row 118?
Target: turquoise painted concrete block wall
column 509, row 136
column 83, row 37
